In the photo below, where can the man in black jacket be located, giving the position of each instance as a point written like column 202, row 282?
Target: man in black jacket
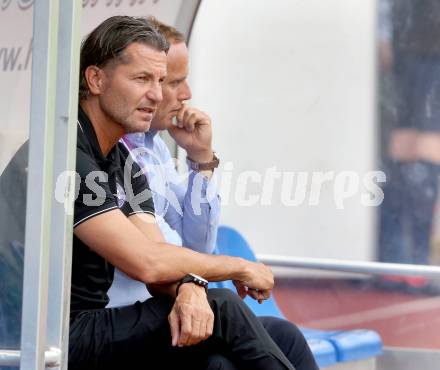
column 123, row 63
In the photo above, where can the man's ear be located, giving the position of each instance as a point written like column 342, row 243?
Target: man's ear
column 94, row 77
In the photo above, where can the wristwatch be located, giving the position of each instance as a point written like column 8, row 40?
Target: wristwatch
column 203, row 166
column 192, row 278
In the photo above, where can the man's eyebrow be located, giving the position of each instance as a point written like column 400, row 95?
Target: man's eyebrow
column 144, row 73
column 181, row 79
column 148, row 75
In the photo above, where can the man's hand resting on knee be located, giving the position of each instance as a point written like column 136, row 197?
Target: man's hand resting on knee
column 191, row 318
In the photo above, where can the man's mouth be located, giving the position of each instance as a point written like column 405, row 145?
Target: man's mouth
column 147, row 113
column 147, row 110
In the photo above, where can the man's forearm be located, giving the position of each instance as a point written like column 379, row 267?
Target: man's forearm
column 157, row 262
column 172, row 263
column 169, row 263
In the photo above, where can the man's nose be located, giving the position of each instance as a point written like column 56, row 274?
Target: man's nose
column 154, row 93
column 185, row 92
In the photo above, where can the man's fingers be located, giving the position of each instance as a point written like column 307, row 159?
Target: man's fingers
column 174, row 321
column 266, row 294
column 241, row 290
column 189, row 118
column 185, row 329
column 209, row 326
column 187, row 112
column 206, row 325
column 179, row 116
column 196, row 333
column 254, row 294
column 189, row 122
column 259, row 295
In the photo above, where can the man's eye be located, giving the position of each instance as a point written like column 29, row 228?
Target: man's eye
column 142, row 78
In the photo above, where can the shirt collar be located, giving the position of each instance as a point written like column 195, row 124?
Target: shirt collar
column 140, row 139
column 152, row 133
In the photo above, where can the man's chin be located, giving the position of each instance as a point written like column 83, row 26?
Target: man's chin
column 141, row 127
column 160, row 125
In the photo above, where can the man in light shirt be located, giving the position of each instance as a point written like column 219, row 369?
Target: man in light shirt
column 188, row 214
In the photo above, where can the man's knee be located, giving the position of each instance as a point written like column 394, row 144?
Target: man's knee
column 277, row 324
column 282, row 330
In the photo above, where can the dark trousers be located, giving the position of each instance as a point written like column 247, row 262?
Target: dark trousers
column 287, row 336
column 407, row 212
column 138, row 337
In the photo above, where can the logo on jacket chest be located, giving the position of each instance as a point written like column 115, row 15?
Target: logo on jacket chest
column 120, row 194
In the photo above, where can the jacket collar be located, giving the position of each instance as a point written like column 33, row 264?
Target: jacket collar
column 112, row 159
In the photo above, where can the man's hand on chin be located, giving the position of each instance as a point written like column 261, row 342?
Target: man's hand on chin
column 193, row 132
column 191, row 318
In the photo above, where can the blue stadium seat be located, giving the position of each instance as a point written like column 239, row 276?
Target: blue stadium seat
column 350, row 345
column 323, row 351
column 328, row 347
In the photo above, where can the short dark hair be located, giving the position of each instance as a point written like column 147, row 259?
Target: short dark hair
column 172, row 35
column 107, row 42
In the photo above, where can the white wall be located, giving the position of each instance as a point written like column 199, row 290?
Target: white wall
column 290, row 83
column 15, row 77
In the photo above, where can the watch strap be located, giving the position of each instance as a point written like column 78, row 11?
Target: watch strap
column 195, row 166
column 192, row 278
